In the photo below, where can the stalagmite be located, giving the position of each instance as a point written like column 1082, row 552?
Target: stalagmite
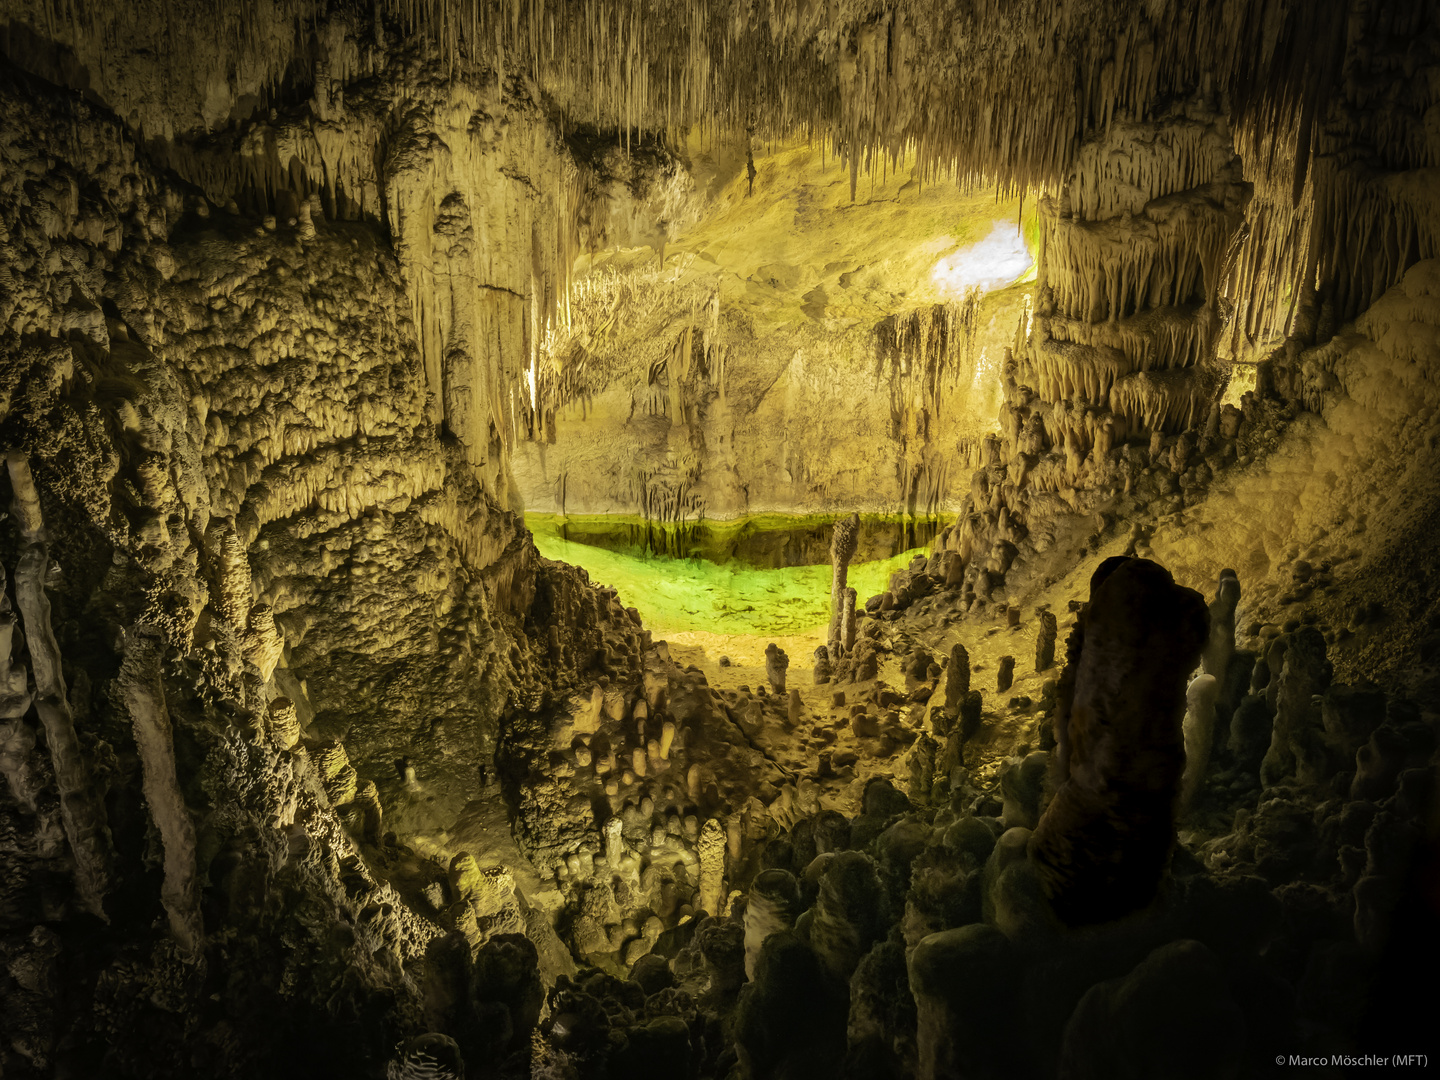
column 614, row 842
column 1215, row 660
column 772, row 904
column 337, row 775
column 693, row 780
column 711, row 846
column 308, row 207
column 958, row 1016
column 1005, row 674
column 1199, row 732
column 776, row 663
column 24, row 499
column 230, row 574
column 957, row 679
column 848, row 622
column 844, row 542
column 82, row 811
column 262, row 642
column 1104, row 839
column 823, row 670
column 17, row 738
column 1274, row 660
column 970, row 715
column 846, row 915
column 1045, row 641
column 735, row 839
column 1296, row 740
column 284, row 723
column 142, row 689
column 367, row 798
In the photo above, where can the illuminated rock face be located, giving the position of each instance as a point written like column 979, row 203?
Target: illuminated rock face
column 300, row 304
column 748, row 366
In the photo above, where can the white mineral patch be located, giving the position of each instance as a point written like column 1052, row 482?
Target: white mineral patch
column 991, row 263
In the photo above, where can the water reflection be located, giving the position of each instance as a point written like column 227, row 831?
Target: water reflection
column 761, row 576
column 764, row 543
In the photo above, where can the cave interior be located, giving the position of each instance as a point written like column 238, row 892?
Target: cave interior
column 719, row 540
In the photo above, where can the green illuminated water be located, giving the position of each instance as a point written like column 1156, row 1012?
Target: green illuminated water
column 753, row 577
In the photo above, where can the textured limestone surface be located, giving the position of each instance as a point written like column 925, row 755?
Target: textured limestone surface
column 731, row 371
column 313, row 764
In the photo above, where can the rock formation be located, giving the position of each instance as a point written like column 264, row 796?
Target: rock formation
column 1004, row 674
column 1295, row 742
column 1199, row 734
column 823, row 668
column 843, row 544
column 315, row 763
column 1220, row 649
column 712, row 866
column 143, row 690
column 776, row 664
column 81, row 810
column 957, row 679
column 771, row 909
column 1045, row 641
column 1125, row 753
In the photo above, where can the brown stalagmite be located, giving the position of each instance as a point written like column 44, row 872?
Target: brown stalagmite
column 844, row 542
column 144, row 695
column 776, row 665
column 337, row 775
column 1295, row 744
column 1106, row 836
column 1045, row 641
column 773, row 903
column 693, row 781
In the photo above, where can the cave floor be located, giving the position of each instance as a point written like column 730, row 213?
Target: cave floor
column 824, row 725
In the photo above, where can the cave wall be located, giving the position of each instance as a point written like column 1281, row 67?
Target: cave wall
column 290, row 614
column 275, row 281
column 273, row 105
column 787, row 324
column 1188, row 262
